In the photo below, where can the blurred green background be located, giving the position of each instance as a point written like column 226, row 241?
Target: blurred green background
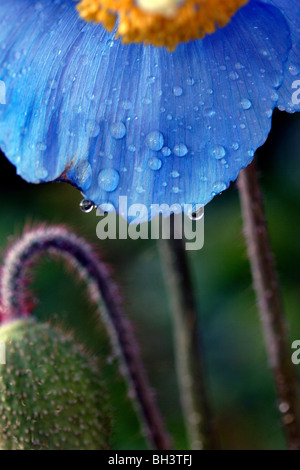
column 240, row 383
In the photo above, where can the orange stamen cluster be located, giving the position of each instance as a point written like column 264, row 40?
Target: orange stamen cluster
column 192, row 20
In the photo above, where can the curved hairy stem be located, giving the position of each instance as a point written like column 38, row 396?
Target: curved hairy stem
column 59, row 241
column 267, row 290
column 188, row 348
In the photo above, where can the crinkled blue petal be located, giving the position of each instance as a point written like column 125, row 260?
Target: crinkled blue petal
column 289, row 92
column 115, row 120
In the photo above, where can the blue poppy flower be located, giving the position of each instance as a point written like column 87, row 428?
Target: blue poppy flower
column 154, row 125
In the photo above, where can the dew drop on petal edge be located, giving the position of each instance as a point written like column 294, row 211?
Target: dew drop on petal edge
column 86, row 206
column 197, row 214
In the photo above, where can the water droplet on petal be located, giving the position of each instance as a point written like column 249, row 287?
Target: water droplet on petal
column 246, row 104
column 86, row 206
column 140, row 190
column 177, row 90
column 294, row 70
column 269, row 113
column 126, row 105
column 108, row 179
column 218, row 152
column 41, row 146
column 154, row 163
column 151, row 80
column 219, row 187
column 209, row 112
column 190, row 81
column 41, row 173
column 92, row 128
column 118, row 130
column 166, row 151
column 175, row 190
column 180, row 150
column 233, row 76
column 155, row 140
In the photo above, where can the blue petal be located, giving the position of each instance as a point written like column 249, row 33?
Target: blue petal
column 136, row 121
column 289, row 92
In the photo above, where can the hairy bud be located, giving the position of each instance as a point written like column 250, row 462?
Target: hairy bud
column 51, row 391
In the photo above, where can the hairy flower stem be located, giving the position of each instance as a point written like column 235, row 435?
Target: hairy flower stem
column 188, row 349
column 267, row 290
column 103, row 292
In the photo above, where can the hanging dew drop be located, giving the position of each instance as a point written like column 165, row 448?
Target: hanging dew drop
column 197, row 214
column 219, row 187
column 86, row 206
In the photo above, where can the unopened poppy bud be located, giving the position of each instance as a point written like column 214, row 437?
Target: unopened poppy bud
column 51, row 391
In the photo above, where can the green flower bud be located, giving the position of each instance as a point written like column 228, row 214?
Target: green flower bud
column 51, row 391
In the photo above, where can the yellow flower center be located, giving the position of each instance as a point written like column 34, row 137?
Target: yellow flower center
column 160, row 22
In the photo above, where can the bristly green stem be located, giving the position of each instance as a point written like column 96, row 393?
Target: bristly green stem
column 267, row 290
column 188, row 349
